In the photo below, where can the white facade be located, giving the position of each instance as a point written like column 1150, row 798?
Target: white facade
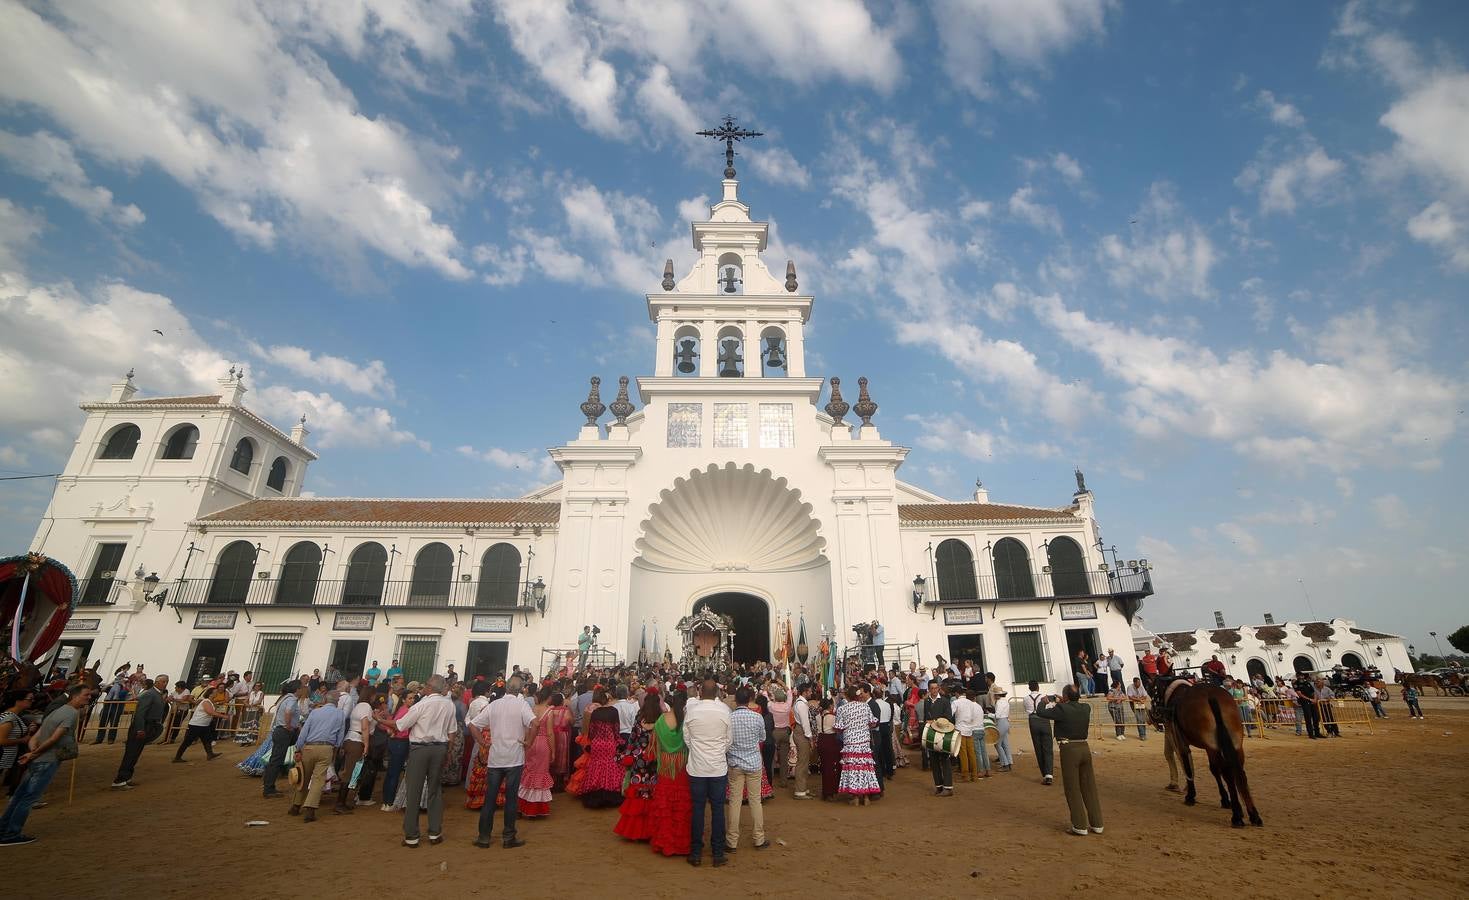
column 720, row 484
column 1283, row 649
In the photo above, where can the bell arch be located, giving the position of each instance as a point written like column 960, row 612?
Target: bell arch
column 731, row 359
column 731, row 273
column 774, row 352
column 687, row 349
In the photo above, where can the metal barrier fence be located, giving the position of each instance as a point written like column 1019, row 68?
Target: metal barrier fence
column 110, row 720
column 1288, row 715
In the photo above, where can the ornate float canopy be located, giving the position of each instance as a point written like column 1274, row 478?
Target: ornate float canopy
column 708, row 640
column 36, row 595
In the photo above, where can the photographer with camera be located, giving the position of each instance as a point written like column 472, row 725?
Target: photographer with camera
column 1072, row 718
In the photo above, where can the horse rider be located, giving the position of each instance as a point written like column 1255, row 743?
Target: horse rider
column 1214, row 670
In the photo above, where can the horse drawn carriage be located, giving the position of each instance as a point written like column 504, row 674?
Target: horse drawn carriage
column 1354, row 682
column 36, row 595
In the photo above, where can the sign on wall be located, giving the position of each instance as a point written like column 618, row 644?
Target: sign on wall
column 964, row 615
column 353, row 621
column 491, row 623
column 220, row 620
column 83, row 625
column 1078, row 611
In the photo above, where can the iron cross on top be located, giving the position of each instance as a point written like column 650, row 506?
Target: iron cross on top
column 729, row 132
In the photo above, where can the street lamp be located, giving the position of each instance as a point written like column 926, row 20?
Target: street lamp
column 1434, row 635
column 920, row 591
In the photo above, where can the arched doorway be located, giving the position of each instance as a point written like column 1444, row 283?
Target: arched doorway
column 1256, row 669
column 1352, row 661
column 751, row 623
column 1303, row 664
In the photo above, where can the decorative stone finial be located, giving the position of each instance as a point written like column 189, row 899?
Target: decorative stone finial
column 593, row 407
column 668, row 275
column 791, row 276
column 622, row 407
column 130, row 374
column 232, row 373
column 836, row 407
column 303, row 418
column 864, row 406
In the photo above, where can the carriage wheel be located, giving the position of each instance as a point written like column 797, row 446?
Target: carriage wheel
column 1456, row 690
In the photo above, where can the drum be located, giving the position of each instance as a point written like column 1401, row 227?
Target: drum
column 941, row 741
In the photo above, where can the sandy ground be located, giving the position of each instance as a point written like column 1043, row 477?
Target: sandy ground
column 1380, row 814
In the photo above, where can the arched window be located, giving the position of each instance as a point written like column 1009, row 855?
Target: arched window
column 1256, row 669
column 1303, row 664
column 773, row 350
column 1012, row 570
column 233, row 573
column 366, row 569
column 731, row 271
column 1068, row 568
column 276, row 480
column 731, row 352
column 122, row 443
column 299, row 574
column 433, row 574
column 1352, row 661
column 499, row 577
column 686, row 350
column 955, row 564
column 243, row 457
column 181, row 443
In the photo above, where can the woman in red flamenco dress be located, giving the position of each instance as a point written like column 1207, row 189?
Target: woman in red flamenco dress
column 641, row 759
column 536, row 782
column 672, row 808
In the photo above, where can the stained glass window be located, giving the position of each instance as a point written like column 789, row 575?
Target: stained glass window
column 777, row 426
column 683, row 424
column 731, row 425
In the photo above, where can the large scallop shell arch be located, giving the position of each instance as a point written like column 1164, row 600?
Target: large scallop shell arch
column 730, row 519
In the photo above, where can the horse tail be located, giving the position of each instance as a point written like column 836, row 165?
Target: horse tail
column 1221, row 734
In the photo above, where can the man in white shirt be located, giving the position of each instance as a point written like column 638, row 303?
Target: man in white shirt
column 429, row 722
column 1041, row 735
column 801, row 734
column 708, row 733
column 503, row 724
column 627, row 710
column 1001, row 700
column 969, row 722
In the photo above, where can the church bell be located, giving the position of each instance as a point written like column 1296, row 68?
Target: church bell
column 686, row 355
column 774, row 355
column 730, row 358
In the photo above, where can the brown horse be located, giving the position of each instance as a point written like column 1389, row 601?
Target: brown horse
column 1206, row 716
column 1421, row 681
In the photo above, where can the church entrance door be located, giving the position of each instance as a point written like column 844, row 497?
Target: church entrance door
column 751, row 623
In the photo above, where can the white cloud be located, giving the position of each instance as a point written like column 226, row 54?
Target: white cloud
column 778, row 166
column 1345, row 487
column 371, row 380
column 19, row 228
column 232, row 103
column 1039, row 215
column 1280, row 112
column 1391, row 511
column 1365, row 396
column 46, row 323
column 1068, row 168
column 1167, row 254
column 953, row 434
column 976, row 209
column 1308, row 175
column 534, row 463
column 1436, row 226
column 1236, row 534
column 49, row 159
column 502, row 267
column 976, row 36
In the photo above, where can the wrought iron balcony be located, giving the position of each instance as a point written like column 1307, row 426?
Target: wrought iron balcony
column 357, row 594
column 98, row 591
column 1125, row 584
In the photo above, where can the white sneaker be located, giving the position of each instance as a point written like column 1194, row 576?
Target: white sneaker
column 1079, row 831
column 387, row 807
column 1048, row 779
column 1097, row 830
column 121, row 786
column 1121, row 737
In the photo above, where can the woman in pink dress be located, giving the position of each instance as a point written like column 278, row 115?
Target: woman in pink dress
column 536, row 781
column 560, row 723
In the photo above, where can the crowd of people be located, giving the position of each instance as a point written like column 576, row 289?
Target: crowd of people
column 662, row 745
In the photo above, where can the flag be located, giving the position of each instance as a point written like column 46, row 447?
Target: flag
column 803, row 652
column 643, row 646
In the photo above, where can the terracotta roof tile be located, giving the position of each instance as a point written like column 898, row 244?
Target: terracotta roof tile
column 201, row 400
column 1374, row 635
column 323, row 511
column 924, row 513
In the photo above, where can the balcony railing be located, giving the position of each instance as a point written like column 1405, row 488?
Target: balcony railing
column 1127, row 582
column 98, row 591
column 348, row 594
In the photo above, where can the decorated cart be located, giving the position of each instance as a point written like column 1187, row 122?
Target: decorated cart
column 36, row 596
column 708, row 641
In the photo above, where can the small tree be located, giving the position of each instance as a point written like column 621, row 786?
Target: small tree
column 1460, row 639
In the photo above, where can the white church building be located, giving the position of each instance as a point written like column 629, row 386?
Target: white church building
column 739, row 481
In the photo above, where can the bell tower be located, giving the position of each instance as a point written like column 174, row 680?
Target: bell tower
column 729, row 317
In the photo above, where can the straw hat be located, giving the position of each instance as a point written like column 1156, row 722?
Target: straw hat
column 295, row 776
column 942, row 726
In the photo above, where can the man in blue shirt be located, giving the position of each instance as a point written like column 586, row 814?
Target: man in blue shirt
column 373, row 674
column 878, row 639
column 316, row 747
column 747, row 730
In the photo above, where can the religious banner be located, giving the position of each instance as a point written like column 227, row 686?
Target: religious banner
column 219, row 620
column 964, row 615
column 1078, row 611
column 353, row 621
column 491, row 623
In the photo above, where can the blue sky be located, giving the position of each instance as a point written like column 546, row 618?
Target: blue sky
column 1214, row 254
